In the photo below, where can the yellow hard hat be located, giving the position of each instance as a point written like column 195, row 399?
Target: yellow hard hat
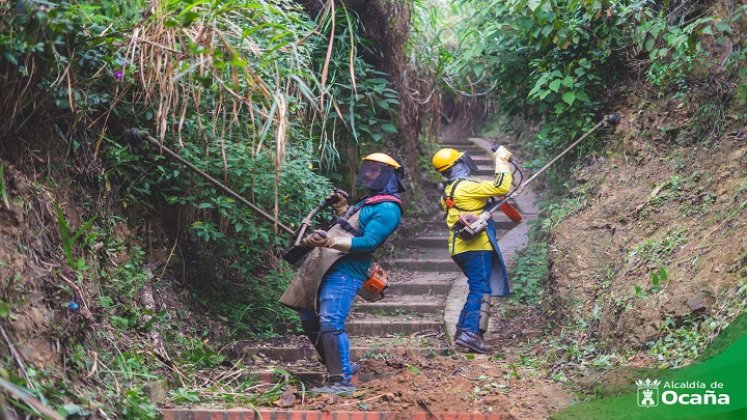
column 445, row 158
column 383, row 158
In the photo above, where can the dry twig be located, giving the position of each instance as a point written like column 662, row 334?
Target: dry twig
column 17, row 357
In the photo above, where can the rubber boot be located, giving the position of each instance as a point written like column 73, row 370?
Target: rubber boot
column 473, row 342
column 311, row 331
column 484, row 321
column 334, row 383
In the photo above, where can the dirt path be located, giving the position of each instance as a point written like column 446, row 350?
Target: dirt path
column 403, row 342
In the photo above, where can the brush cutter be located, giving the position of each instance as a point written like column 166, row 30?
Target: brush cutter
column 296, row 252
column 469, row 225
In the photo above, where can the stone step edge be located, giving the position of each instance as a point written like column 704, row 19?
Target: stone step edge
column 356, row 352
column 409, row 289
column 444, row 260
column 384, row 327
column 267, row 414
column 306, row 376
column 384, row 309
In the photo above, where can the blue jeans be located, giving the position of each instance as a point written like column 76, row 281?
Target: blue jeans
column 336, row 295
column 476, row 266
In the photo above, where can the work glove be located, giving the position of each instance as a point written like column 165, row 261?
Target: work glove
column 322, row 239
column 339, row 200
column 502, row 155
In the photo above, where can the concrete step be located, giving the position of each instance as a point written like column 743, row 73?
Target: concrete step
column 438, row 236
column 402, row 304
column 483, row 160
column 435, row 241
column 420, row 289
column 300, row 355
column 382, row 326
column 424, row 264
column 428, row 253
column 490, row 141
column 421, row 284
column 310, row 377
column 417, row 288
column 464, row 147
column 457, row 141
column 361, row 324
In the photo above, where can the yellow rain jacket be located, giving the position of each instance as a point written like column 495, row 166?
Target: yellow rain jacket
column 470, row 195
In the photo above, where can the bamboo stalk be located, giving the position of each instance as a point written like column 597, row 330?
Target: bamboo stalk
column 144, row 135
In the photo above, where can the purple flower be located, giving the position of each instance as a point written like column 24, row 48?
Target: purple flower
column 118, row 74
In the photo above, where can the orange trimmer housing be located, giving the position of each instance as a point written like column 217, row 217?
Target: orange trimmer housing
column 377, row 281
column 373, row 287
column 510, row 211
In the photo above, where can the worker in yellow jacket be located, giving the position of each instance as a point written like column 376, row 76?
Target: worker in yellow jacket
column 479, row 257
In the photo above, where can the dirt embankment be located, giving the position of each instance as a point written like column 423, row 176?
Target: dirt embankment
column 26, row 268
column 661, row 238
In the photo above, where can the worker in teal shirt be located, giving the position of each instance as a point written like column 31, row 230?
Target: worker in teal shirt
column 377, row 222
column 379, row 214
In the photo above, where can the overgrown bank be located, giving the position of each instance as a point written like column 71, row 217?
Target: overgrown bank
column 641, row 231
column 639, row 261
column 650, row 262
column 122, row 272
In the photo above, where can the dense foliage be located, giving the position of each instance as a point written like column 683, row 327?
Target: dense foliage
column 562, row 64
column 256, row 93
column 270, row 100
column 558, row 59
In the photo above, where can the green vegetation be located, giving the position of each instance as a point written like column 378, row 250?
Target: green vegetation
column 558, row 59
column 69, row 239
column 249, row 91
column 274, row 100
column 3, row 189
column 656, row 251
column 530, row 275
column 278, row 102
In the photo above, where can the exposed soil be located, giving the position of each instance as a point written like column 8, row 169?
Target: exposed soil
column 650, row 205
column 508, row 382
column 25, row 266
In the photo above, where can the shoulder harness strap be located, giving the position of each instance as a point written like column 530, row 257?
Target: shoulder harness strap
column 449, row 201
column 382, row 198
column 365, row 201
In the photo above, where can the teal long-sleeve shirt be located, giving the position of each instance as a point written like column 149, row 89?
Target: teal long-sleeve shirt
column 376, row 223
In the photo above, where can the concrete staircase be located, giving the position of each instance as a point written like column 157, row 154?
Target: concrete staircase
column 422, row 303
column 418, row 315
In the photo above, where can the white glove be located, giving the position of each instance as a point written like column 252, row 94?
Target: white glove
column 502, row 155
column 321, row 239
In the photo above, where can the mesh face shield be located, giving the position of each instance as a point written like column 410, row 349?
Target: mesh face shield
column 467, row 160
column 374, row 175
